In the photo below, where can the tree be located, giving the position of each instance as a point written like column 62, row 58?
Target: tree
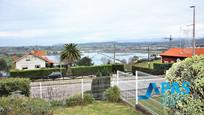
column 105, row 60
column 133, row 60
column 3, row 65
column 191, row 70
column 85, row 61
column 71, row 54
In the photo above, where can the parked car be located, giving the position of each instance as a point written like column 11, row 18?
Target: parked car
column 55, row 75
column 4, row 74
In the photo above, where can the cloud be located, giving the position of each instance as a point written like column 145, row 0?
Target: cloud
column 91, row 20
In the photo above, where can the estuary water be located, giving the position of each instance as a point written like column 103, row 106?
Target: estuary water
column 100, row 58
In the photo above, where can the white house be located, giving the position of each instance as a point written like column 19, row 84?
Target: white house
column 32, row 61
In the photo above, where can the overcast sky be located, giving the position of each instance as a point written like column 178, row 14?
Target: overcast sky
column 48, row 22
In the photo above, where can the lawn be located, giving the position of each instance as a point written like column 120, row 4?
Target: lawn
column 98, row 108
column 145, row 63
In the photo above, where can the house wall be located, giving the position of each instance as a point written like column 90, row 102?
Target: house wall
column 169, row 59
column 30, row 62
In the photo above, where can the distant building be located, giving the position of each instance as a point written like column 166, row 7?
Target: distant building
column 34, row 59
column 174, row 54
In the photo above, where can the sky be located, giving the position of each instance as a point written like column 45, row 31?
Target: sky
column 50, row 22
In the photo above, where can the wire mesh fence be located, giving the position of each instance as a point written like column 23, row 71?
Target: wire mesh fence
column 132, row 86
column 59, row 90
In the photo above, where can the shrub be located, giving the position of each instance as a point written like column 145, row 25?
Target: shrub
column 88, row 98
column 99, row 85
column 20, row 105
column 77, row 99
column 147, row 70
column 103, row 72
column 57, row 103
column 3, row 65
column 162, row 66
column 85, row 61
column 74, row 100
column 35, row 74
column 116, row 67
column 9, row 85
column 112, row 94
column 191, row 70
column 89, row 70
column 37, row 106
column 73, row 71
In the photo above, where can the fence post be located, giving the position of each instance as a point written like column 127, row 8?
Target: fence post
column 136, row 87
column 82, row 88
column 117, row 78
column 40, row 90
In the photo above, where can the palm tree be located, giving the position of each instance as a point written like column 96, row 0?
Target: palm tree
column 70, row 54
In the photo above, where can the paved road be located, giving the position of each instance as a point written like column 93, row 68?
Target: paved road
column 58, row 89
column 63, row 88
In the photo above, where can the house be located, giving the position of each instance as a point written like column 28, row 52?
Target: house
column 32, row 60
column 174, row 54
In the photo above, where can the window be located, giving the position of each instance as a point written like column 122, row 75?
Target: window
column 27, row 59
column 37, row 66
column 24, row 68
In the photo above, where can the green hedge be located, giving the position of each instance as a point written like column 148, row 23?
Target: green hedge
column 89, row 70
column 162, row 66
column 9, row 85
column 35, row 74
column 147, row 70
column 116, row 67
column 158, row 68
column 99, row 85
column 75, row 71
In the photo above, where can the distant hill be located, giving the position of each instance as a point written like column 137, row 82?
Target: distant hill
column 108, row 46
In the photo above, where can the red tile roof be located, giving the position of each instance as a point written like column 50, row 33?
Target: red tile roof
column 182, row 52
column 38, row 53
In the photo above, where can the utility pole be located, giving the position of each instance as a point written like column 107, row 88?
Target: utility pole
column 193, row 42
column 148, row 56
column 114, row 50
column 170, row 43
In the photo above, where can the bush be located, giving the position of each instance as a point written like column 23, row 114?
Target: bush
column 191, row 70
column 77, row 99
column 3, row 65
column 9, row 85
column 103, row 72
column 19, row 105
column 116, row 67
column 57, row 103
column 99, row 85
column 162, row 66
column 112, row 94
column 147, row 70
column 74, row 71
column 89, row 70
column 35, row 74
column 85, row 61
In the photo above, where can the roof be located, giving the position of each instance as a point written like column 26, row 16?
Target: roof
column 182, row 52
column 36, row 53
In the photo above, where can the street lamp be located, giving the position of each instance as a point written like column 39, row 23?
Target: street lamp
column 193, row 43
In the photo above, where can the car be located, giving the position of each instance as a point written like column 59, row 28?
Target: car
column 55, row 75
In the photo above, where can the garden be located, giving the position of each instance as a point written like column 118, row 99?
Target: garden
column 102, row 99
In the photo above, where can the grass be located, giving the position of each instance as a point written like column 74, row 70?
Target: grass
column 153, row 104
column 145, row 63
column 98, row 108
